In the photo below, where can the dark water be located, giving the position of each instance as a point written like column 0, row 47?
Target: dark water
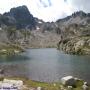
column 46, row 65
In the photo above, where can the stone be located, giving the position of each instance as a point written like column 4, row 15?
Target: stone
column 16, row 83
column 3, row 50
column 16, row 51
column 1, row 71
column 85, row 83
column 85, row 87
column 1, row 77
column 70, row 88
column 39, row 88
column 68, row 81
column 54, row 84
column 1, row 74
column 7, row 86
column 61, row 88
column 80, row 43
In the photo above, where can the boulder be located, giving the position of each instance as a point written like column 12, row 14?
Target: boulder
column 16, row 83
column 1, row 74
column 1, row 71
column 39, row 88
column 70, row 88
column 7, row 86
column 85, row 87
column 68, row 81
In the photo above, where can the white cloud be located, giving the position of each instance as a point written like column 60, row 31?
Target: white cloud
column 48, row 10
column 80, row 4
column 57, row 9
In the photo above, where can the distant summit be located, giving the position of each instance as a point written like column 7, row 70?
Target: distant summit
column 19, row 17
column 79, row 17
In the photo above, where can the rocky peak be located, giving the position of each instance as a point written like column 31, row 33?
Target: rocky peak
column 79, row 13
column 22, row 17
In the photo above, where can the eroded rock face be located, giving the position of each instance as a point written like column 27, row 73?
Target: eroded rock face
column 76, row 45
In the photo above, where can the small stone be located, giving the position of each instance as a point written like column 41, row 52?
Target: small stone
column 70, row 87
column 1, row 74
column 1, row 71
column 39, row 88
column 54, row 84
column 85, row 83
column 76, row 79
column 85, row 87
column 61, row 87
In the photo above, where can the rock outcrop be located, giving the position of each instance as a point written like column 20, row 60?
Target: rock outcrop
column 75, row 33
column 76, row 45
column 68, row 81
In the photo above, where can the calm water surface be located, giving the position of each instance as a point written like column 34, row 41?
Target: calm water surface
column 46, row 65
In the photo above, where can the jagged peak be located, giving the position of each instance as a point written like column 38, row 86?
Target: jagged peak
column 79, row 13
column 74, row 15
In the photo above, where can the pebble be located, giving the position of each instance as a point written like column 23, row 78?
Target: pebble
column 70, row 87
column 39, row 88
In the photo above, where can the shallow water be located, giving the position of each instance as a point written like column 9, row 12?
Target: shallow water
column 46, row 65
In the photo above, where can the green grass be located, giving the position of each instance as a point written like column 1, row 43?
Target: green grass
column 47, row 86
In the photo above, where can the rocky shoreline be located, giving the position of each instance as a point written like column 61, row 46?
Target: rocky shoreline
column 76, row 45
column 66, row 83
column 11, row 49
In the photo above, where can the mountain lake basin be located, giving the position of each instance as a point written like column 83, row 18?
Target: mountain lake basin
column 46, row 65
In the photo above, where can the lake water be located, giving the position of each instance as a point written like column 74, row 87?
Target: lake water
column 46, row 65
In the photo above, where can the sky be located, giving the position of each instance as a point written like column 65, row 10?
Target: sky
column 48, row 10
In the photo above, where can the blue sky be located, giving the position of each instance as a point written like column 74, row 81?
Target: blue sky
column 48, row 10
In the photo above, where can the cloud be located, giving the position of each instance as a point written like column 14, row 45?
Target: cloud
column 80, row 5
column 48, row 10
column 46, row 3
column 56, row 9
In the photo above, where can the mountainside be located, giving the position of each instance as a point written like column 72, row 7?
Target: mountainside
column 71, row 34
column 75, row 33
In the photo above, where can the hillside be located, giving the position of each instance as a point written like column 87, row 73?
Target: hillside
column 70, row 34
column 75, row 33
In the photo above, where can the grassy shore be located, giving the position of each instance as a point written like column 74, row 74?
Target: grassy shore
column 46, row 86
column 10, row 49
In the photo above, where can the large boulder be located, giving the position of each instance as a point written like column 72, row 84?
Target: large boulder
column 68, row 81
column 16, row 83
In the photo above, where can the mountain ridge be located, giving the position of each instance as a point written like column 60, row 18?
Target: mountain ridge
column 19, row 26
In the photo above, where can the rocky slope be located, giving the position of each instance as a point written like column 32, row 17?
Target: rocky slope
column 71, row 34
column 75, row 33
column 19, row 27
